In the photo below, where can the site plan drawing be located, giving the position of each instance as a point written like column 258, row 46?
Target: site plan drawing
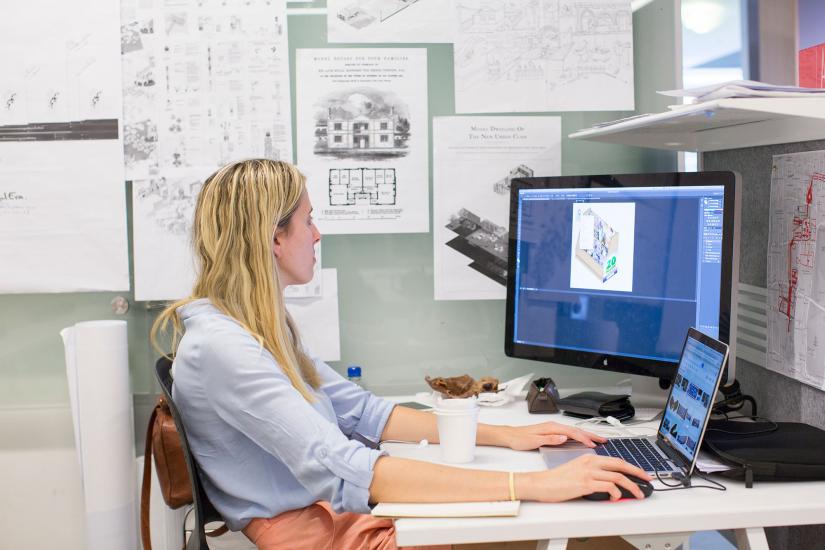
column 543, row 55
column 388, row 21
column 796, row 268
column 475, row 160
column 62, row 197
column 362, row 138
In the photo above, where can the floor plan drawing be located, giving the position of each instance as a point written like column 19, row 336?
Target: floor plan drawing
column 543, row 55
column 362, row 186
column 796, row 268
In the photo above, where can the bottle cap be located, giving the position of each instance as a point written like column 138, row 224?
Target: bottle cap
column 353, row 371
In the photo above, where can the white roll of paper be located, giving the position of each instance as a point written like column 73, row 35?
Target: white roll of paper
column 97, row 366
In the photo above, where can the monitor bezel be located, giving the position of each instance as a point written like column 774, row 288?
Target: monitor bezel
column 664, row 370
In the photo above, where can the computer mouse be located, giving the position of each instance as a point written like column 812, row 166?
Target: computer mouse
column 645, row 486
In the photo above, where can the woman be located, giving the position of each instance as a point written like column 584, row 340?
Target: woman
column 279, row 436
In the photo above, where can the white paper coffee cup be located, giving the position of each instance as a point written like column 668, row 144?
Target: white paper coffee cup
column 457, row 433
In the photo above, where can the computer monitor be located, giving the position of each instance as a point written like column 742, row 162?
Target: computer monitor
column 609, row 272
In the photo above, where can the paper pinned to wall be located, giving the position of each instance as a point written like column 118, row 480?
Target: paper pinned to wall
column 796, row 268
column 62, row 198
column 474, row 162
column 362, row 138
column 317, row 319
column 388, row 21
column 565, row 55
column 97, row 367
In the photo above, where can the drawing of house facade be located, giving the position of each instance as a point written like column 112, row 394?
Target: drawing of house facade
column 374, row 130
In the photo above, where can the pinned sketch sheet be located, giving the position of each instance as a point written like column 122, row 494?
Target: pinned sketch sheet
column 387, row 21
column 362, row 138
column 566, row 55
column 474, row 162
column 796, row 268
column 62, row 198
column 317, row 319
column 203, row 86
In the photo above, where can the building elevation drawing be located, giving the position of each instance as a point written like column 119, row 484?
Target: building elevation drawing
column 482, row 241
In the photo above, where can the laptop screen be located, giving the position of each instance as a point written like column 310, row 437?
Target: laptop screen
column 691, row 396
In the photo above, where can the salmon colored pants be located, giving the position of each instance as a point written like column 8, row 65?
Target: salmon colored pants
column 318, row 527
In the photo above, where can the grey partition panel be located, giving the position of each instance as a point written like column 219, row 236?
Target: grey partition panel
column 779, row 398
column 390, row 323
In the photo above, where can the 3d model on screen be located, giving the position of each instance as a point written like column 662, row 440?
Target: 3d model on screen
column 597, row 245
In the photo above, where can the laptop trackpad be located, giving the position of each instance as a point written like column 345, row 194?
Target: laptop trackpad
column 561, row 454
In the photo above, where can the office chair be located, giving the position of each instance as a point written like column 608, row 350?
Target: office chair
column 204, row 510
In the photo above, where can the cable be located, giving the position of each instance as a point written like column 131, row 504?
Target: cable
column 685, row 483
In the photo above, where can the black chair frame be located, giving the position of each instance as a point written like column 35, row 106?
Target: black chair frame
column 203, row 509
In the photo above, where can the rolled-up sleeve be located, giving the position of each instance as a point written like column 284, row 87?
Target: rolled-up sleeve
column 250, row 392
column 358, row 411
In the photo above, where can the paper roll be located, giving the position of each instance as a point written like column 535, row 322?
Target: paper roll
column 97, row 366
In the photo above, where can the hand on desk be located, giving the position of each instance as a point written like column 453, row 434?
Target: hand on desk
column 527, row 438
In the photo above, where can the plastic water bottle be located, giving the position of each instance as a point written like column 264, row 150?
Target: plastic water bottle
column 354, row 374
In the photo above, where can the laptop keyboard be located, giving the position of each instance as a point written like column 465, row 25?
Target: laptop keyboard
column 638, row 452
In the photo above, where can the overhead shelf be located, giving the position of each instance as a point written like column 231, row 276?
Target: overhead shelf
column 719, row 124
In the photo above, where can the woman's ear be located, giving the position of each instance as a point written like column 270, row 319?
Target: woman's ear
column 276, row 244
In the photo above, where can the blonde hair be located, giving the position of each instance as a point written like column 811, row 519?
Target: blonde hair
column 238, row 211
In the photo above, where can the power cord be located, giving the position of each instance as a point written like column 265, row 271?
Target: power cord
column 685, row 483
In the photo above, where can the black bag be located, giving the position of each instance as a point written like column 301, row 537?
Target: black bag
column 768, row 451
column 592, row 403
column 541, row 397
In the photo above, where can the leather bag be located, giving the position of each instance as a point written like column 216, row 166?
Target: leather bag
column 163, row 444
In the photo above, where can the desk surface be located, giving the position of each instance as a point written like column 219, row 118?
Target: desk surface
column 765, row 505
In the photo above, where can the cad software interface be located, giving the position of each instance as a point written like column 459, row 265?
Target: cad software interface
column 618, row 271
column 691, row 396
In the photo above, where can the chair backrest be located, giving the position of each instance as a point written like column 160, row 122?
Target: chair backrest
column 204, row 510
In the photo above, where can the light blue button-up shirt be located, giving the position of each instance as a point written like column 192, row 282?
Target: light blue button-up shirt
column 262, row 448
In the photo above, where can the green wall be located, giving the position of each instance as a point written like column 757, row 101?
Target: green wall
column 389, row 322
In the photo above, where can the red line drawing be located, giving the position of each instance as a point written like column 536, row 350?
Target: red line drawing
column 804, row 235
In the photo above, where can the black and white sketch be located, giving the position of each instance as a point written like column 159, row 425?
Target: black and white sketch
column 389, row 20
column 559, row 55
column 362, row 138
column 362, row 124
column 475, row 160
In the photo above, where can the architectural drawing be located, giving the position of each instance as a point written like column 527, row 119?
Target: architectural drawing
column 543, row 55
column 597, row 245
column 366, row 12
column 170, row 203
column 502, row 187
column 482, row 241
column 369, row 186
column 359, row 120
column 388, row 21
column 796, row 268
column 362, row 124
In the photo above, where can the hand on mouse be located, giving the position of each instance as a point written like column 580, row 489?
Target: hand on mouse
column 582, row 476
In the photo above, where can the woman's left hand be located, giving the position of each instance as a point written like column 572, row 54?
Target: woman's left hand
column 527, row 438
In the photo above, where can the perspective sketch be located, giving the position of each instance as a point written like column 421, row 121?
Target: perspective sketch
column 366, row 12
column 170, row 203
column 362, row 186
column 572, row 53
column 502, row 186
column 796, row 268
column 364, row 124
column 482, row 241
column 597, row 245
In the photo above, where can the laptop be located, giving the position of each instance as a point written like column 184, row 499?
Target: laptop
column 673, row 451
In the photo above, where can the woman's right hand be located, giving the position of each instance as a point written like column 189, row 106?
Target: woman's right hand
column 582, row 476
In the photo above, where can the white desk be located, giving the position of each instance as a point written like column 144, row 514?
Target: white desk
column 747, row 511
